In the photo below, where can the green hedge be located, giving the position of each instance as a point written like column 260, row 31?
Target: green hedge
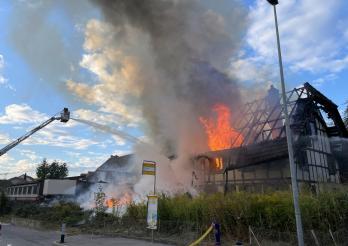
column 67, row 212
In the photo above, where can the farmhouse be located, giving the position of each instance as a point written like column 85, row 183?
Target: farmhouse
column 261, row 159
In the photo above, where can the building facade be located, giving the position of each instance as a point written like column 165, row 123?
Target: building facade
column 44, row 190
column 25, row 191
column 261, row 162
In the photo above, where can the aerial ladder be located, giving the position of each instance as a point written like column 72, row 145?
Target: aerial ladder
column 64, row 117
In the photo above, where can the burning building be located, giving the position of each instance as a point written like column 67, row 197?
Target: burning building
column 249, row 148
column 115, row 178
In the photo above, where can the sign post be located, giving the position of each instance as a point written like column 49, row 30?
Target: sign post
column 149, row 168
column 62, row 234
column 152, row 212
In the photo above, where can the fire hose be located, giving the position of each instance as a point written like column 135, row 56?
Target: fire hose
column 202, row 237
column 217, row 235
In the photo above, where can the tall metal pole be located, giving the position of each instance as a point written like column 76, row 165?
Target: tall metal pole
column 294, row 185
column 154, row 193
column 154, row 181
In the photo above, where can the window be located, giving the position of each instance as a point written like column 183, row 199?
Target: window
column 311, row 128
column 20, row 190
column 35, row 189
column 331, row 165
column 302, row 160
column 25, row 190
column 16, row 190
column 29, row 190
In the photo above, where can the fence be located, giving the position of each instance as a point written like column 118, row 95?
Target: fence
column 185, row 232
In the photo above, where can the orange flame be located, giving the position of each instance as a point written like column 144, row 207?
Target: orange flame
column 112, row 202
column 115, row 202
column 221, row 135
column 218, row 163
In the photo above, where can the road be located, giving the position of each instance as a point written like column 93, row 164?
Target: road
column 20, row 236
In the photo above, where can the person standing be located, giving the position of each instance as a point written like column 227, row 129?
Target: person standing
column 274, row 108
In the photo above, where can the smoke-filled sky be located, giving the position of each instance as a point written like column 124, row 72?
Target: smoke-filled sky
column 150, row 68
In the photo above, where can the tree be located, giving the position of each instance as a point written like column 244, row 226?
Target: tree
column 55, row 170
column 99, row 199
column 42, row 169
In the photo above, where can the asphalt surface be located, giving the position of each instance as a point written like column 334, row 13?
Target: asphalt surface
column 20, row 236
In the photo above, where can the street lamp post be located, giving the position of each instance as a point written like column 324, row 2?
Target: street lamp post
column 295, row 192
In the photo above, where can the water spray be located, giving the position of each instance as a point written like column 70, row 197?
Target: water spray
column 122, row 135
column 111, row 130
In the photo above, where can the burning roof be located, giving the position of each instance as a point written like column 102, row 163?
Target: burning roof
column 262, row 120
column 259, row 134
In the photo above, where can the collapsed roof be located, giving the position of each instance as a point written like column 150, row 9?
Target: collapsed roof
column 260, row 121
column 261, row 126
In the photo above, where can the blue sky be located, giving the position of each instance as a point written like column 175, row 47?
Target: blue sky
column 34, row 82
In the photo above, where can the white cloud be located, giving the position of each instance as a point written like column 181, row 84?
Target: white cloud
column 73, row 154
column 116, row 74
column 251, row 69
column 99, row 117
column 327, row 78
column 21, row 113
column 2, row 63
column 55, row 134
column 90, row 162
column 119, row 141
column 5, row 159
column 12, row 167
column 313, row 37
column 31, row 155
column 59, row 138
column 4, row 138
column 3, row 80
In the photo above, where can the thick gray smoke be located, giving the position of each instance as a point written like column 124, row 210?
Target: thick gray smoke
column 171, row 55
column 41, row 41
column 159, row 60
column 187, row 46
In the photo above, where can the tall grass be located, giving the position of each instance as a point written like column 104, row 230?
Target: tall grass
column 237, row 211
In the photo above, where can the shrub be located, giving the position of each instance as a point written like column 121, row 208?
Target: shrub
column 5, row 206
column 69, row 213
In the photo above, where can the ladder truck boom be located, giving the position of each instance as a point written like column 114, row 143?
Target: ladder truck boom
column 64, row 117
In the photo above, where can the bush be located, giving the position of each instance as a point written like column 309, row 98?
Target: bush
column 5, row 206
column 27, row 210
column 69, row 213
column 135, row 211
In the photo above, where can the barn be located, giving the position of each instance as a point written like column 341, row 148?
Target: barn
column 261, row 162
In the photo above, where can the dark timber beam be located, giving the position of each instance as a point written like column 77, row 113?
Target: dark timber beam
column 329, row 107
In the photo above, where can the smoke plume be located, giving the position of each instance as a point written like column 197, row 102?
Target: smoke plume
column 163, row 61
column 158, row 63
column 37, row 36
column 168, row 56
